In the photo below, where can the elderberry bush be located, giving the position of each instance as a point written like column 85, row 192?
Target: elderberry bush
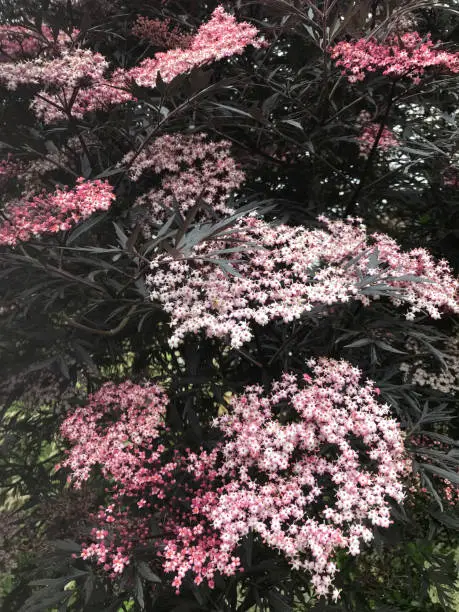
column 228, row 262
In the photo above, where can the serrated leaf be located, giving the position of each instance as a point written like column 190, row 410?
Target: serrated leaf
column 109, row 172
column 387, row 347
column 66, row 545
column 227, row 268
column 160, row 85
column 359, row 343
column 438, row 471
column 233, row 109
column 84, row 227
column 373, row 260
column 295, row 124
column 446, row 519
column 138, row 592
column 146, row 572
column 121, row 235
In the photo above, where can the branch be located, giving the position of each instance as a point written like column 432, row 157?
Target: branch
column 103, row 332
column 350, row 208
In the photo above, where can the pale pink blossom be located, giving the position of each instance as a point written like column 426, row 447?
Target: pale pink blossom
column 310, row 468
column 222, row 36
column 138, row 414
column 19, row 42
column 51, row 213
column 284, row 272
column 74, row 84
column 193, row 169
column 409, row 55
column 283, row 453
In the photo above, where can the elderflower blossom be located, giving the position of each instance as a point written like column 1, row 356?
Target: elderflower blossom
column 409, row 55
column 420, row 370
column 222, row 36
column 287, row 271
column 19, row 42
column 122, row 430
column 140, row 413
column 192, row 169
column 268, row 475
column 51, row 213
column 300, row 482
column 68, row 70
column 78, row 76
column 160, row 33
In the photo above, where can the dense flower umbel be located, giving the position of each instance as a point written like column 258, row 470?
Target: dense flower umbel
column 116, row 420
column 310, row 468
column 68, row 70
column 122, row 430
column 369, row 131
column 18, row 42
column 79, row 78
column 287, row 273
column 409, row 55
column 222, row 36
column 79, row 73
column 51, row 213
column 115, row 430
column 193, row 169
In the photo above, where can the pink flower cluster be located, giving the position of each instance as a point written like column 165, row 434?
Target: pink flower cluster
column 285, row 272
column 79, row 73
column 160, row 33
column 115, row 431
column 308, row 468
column 99, row 96
column 18, row 42
column 409, row 55
column 115, row 537
column 51, row 213
column 79, row 76
column 222, row 36
column 117, row 420
column 69, row 70
column 192, row 168
column 122, row 430
column 369, row 133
